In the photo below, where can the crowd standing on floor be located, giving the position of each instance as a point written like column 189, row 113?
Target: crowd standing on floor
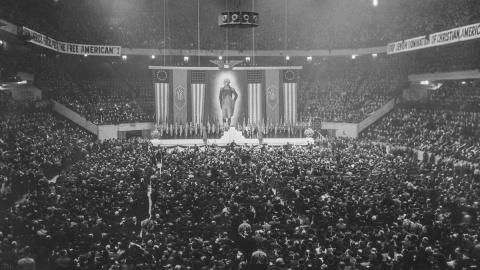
column 350, row 91
column 338, row 204
column 341, row 204
column 446, row 123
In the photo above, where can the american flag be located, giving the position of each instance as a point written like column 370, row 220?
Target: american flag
column 162, row 86
column 290, row 96
column 198, row 95
column 254, row 80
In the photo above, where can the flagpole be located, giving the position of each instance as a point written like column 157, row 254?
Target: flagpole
column 253, row 37
column 164, row 32
column 149, row 194
column 198, row 31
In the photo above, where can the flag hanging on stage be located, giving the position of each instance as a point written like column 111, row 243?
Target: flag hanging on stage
column 290, row 96
column 272, row 95
column 254, row 79
column 162, row 87
column 198, row 95
column 179, row 88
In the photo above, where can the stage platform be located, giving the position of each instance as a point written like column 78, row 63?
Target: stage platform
column 231, row 135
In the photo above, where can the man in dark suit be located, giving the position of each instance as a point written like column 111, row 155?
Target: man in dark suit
column 133, row 225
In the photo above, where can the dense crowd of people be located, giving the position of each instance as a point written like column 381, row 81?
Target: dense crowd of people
column 351, row 90
column 60, row 87
column 455, row 96
column 8, row 104
column 446, row 123
column 139, row 77
column 101, row 101
column 347, row 204
column 326, row 25
column 454, row 57
column 339, row 204
column 112, row 103
column 68, row 201
column 35, row 143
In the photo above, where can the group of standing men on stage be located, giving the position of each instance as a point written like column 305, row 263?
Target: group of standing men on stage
column 212, row 131
column 272, row 130
column 187, row 131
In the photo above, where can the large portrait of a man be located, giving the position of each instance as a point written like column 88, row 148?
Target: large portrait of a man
column 228, row 96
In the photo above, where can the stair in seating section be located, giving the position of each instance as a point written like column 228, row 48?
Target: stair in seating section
column 376, row 115
column 75, row 117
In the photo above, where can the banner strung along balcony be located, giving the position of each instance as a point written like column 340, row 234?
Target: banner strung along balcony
column 69, row 48
column 463, row 33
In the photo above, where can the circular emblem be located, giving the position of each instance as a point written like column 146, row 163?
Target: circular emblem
column 224, row 18
column 246, row 17
column 155, row 134
column 289, row 75
column 235, row 17
column 162, row 75
column 309, row 133
column 255, row 18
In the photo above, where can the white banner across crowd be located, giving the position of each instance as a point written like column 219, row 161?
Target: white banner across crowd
column 70, row 48
column 436, row 39
column 99, row 50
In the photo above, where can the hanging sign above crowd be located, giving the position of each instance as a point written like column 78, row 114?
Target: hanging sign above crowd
column 69, row 48
column 39, row 39
column 436, row 39
column 99, row 50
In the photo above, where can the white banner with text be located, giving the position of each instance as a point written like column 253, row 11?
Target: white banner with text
column 436, row 39
column 70, row 48
column 99, row 50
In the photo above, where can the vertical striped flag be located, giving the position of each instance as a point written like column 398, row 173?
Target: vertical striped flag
column 162, row 85
column 254, row 80
column 290, row 96
column 272, row 95
column 198, row 95
column 180, row 97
